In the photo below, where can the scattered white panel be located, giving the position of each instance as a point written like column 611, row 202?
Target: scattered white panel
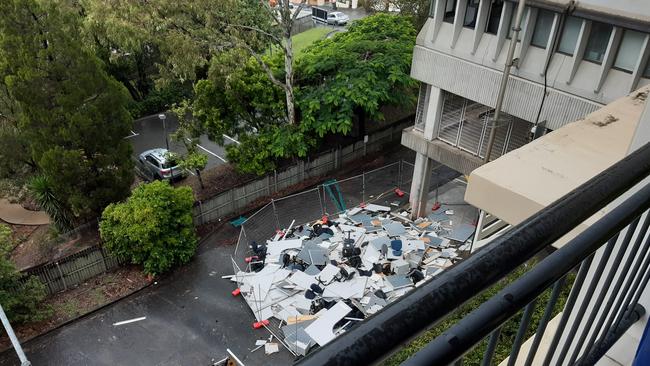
column 353, row 211
column 302, row 280
column 301, row 303
column 370, row 256
column 376, row 208
column 354, row 288
column 270, row 348
column 283, row 313
column 321, row 330
column 275, row 248
column 410, row 245
column 328, row 273
column 263, row 313
column 281, row 274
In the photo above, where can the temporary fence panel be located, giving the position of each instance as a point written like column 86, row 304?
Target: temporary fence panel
column 258, row 228
column 379, row 182
column 406, row 176
column 302, row 207
column 339, row 195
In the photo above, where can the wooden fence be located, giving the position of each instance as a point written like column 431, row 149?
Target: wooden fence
column 74, row 269
column 234, row 200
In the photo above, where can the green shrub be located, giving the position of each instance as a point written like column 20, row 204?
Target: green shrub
column 21, row 297
column 154, row 227
column 508, row 330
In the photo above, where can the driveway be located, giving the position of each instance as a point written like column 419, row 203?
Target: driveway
column 191, row 318
column 148, row 133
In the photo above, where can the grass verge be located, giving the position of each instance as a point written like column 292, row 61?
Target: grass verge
column 306, row 38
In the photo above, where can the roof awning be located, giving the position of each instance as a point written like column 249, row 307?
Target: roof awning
column 519, row 184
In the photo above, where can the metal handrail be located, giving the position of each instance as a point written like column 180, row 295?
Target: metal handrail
column 377, row 336
column 502, row 306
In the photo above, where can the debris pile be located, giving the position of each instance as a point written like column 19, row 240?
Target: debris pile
column 318, row 279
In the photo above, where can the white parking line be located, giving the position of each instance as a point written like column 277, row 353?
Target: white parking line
column 133, row 134
column 231, row 139
column 211, row 153
column 208, row 151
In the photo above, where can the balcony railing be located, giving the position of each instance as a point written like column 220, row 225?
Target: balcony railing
column 610, row 261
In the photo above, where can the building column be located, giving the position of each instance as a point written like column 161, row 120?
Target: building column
column 419, row 193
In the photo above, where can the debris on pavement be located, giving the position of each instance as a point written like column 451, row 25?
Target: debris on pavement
column 130, row 321
column 318, row 280
column 270, row 348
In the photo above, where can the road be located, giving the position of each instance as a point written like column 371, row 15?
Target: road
column 191, row 318
column 148, row 133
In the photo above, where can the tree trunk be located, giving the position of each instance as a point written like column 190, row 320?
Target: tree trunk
column 198, row 174
column 288, row 67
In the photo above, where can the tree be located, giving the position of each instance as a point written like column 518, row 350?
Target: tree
column 44, row 195
column 71, row 116
column 188, row 134
column 189, row 34
column 21, row 297
column 353, row 74
column 417, row 10
column 154, row 227
column 340, row 80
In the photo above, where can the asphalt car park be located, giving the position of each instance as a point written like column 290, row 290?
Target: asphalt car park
column 149, row 133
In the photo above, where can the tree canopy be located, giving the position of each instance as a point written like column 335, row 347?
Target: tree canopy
column 70, row 115
column 340, row 81
column 356, row 72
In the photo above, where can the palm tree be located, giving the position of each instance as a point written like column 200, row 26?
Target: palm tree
column 42, row 190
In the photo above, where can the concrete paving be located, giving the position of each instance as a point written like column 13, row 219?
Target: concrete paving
column 16, row 214
column 191, row 318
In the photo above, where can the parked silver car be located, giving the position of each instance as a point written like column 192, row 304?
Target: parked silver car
column 337, row 18
column 156, row 164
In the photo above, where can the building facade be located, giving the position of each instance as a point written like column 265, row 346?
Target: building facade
column 571, row 58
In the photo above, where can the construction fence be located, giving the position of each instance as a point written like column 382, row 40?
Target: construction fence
column 237, row 199
column 330, row 198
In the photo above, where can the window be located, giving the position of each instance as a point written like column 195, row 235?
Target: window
column 629, row 50
column 450, row 11
column 597, row 42
column 570, row 34
column 153, row 161
column 524, row 20
column 543, row 27
column 496, row 8
column 471, row 13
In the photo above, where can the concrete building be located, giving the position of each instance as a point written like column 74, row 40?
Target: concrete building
column 571, row 59
column 579, row 89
